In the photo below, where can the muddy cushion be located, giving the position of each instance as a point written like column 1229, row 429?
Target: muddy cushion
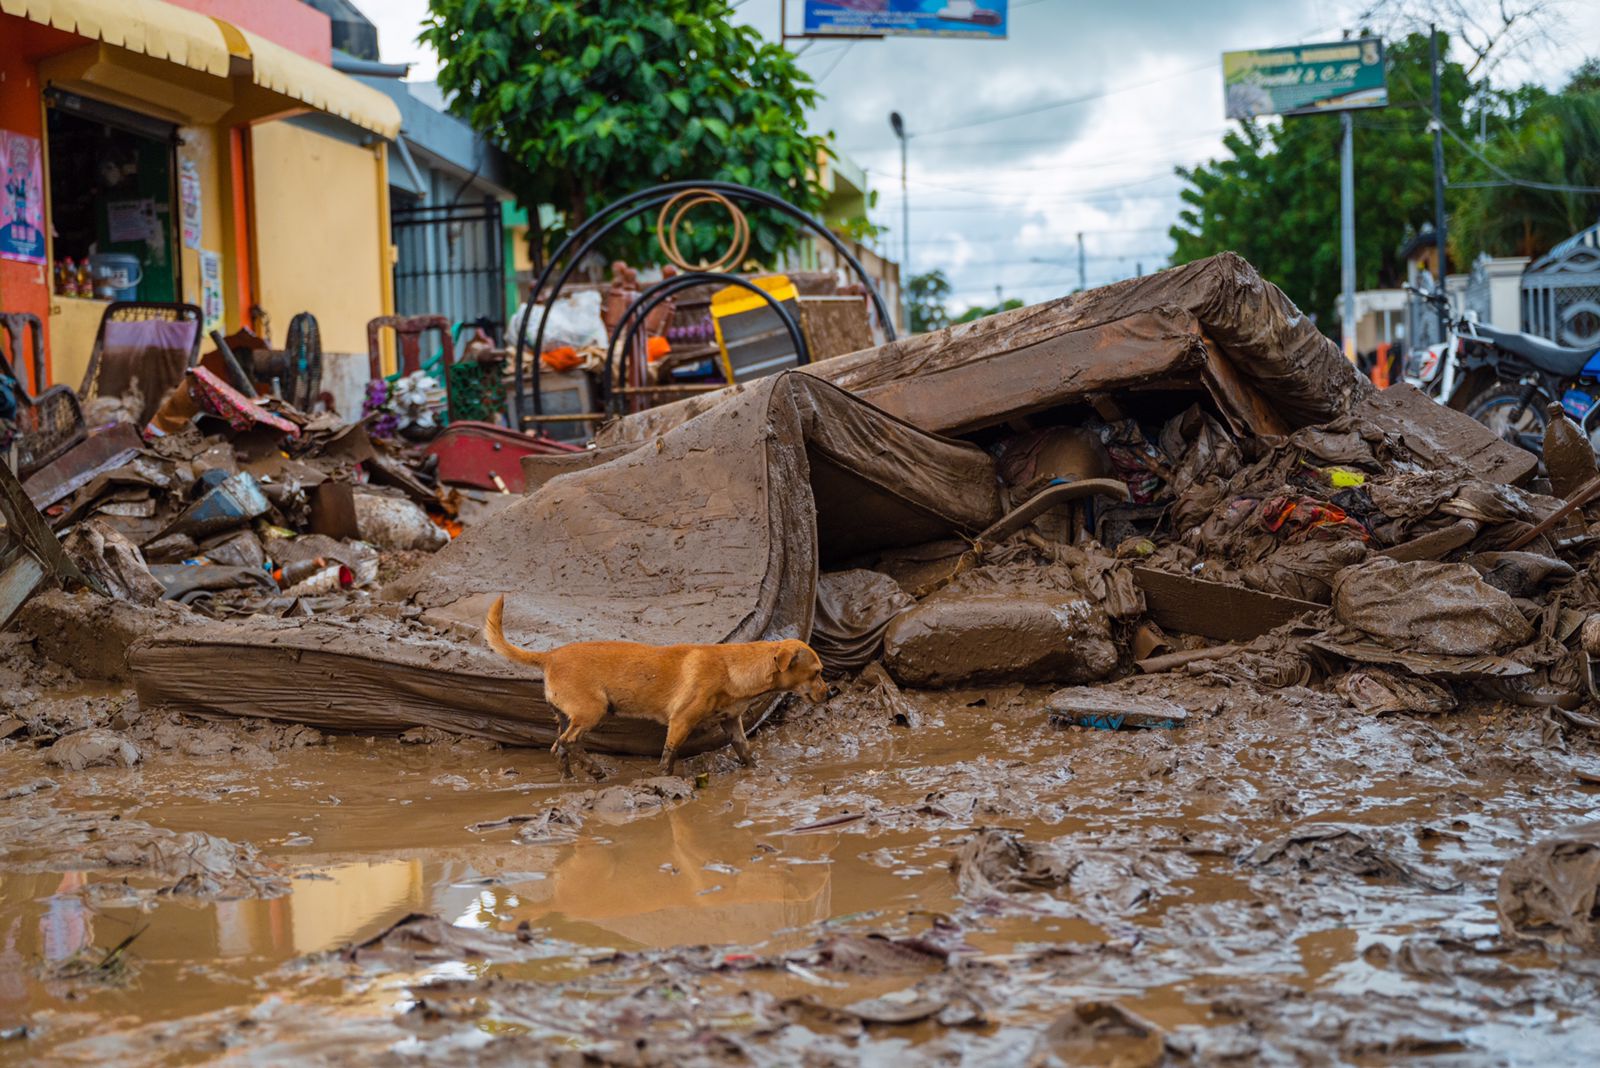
column 958, row 637
column 1428, row 607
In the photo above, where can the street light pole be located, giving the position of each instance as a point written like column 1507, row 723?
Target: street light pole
column 898, row 124
column 1347, row 231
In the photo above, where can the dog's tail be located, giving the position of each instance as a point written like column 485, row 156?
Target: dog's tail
column 495, row 635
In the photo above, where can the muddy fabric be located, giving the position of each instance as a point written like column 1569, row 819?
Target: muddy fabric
column 854, row 608
column 1552, row 891
column 1304, row 571
column 712, row 534
column 1521, row 574
column 150, row 353
column 1146, row 327
column 1376, row 691
column 1428, row 607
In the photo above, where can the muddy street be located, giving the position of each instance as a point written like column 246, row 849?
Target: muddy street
column 1130, row 681
column 1283, row 880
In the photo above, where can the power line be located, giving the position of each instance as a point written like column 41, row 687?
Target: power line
column 1067, row 102
column 1520, row 183
column 1021, row 195
column 837, row 60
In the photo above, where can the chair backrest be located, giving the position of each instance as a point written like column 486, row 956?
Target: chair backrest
column 408, row 331
column 17, row 324
column 148, row 341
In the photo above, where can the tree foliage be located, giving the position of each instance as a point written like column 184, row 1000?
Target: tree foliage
column 983, row 311
column 1557, row 143
column 601, row 98
column 925, row 301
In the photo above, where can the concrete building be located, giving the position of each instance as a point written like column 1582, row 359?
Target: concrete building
column 211, row 141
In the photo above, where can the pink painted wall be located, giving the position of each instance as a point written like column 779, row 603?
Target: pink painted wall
column 293, row 25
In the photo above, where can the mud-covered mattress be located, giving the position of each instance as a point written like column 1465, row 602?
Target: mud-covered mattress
column 711, row 533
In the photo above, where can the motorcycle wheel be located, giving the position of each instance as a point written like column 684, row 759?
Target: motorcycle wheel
column 1495, row 406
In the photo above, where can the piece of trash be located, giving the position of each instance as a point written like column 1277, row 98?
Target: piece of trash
column 1107, row 710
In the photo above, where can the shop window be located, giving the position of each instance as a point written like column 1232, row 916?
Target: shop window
column 112, row 213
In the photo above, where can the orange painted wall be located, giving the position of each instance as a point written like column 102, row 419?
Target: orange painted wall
column 25, row 287
column 294, row 25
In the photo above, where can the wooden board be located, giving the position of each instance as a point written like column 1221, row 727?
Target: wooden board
column 1214, row 609
column 1443, row 437
column 835, row 325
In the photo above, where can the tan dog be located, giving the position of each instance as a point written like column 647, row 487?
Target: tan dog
column 680, row 686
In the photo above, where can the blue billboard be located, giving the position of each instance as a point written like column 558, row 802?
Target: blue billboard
column 907, row 18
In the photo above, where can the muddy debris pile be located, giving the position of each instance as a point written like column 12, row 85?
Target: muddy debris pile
column 1169, row 479
column 237, row 506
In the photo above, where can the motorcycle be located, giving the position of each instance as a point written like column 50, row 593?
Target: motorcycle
column 1505, row 379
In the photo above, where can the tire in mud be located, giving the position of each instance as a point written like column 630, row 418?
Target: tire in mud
column 1496, row 409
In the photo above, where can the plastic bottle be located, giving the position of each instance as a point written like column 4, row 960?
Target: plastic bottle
column 85, row 280
column 1568, row 456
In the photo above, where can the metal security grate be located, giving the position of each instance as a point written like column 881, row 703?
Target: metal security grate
column 1561, row 297
column 451, row 262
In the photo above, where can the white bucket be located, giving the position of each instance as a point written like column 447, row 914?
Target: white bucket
column 116, row 275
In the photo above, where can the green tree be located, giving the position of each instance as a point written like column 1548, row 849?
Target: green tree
column 1557, row 143
column 1274, row 198
column 600, row 99
column 925, row 301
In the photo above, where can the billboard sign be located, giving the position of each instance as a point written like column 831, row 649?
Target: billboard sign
column 906, row 18
column 1305, row 79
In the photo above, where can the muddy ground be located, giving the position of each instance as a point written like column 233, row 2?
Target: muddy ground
column 950, row 878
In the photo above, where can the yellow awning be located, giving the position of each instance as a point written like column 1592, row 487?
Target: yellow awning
column 156, row 29
column 292, row 75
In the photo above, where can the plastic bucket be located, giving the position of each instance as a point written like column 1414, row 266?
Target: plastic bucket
column 116, row 275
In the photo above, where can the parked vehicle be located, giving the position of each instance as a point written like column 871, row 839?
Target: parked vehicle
column 1505, row 378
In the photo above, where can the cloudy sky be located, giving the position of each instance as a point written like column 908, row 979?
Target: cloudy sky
column 1071, row 125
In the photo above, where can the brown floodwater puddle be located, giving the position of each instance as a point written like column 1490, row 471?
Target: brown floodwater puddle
column 370, row 831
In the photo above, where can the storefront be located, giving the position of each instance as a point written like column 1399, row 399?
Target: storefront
column 113, row 202
column 156, row 153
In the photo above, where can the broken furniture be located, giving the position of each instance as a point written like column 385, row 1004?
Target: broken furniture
column 408, row 331
column 30, row 555
column 489, row 457
column 49, row 422
column 670, row 202
column 143, row 348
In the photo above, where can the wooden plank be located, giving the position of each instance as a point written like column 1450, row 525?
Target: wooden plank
column 17, row 583
column 1444, row 438
column 1228, row 613
column 27, row 528
column 1434, row 544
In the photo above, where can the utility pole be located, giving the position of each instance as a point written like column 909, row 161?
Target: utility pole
column 898, row 124
column 1438, row 178
column 1347, row 230
column 1083, row 274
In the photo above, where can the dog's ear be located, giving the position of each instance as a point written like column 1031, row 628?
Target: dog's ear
column 785, row 657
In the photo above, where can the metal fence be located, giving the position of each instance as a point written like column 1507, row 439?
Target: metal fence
column 451, row 261
column 1561, row 296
